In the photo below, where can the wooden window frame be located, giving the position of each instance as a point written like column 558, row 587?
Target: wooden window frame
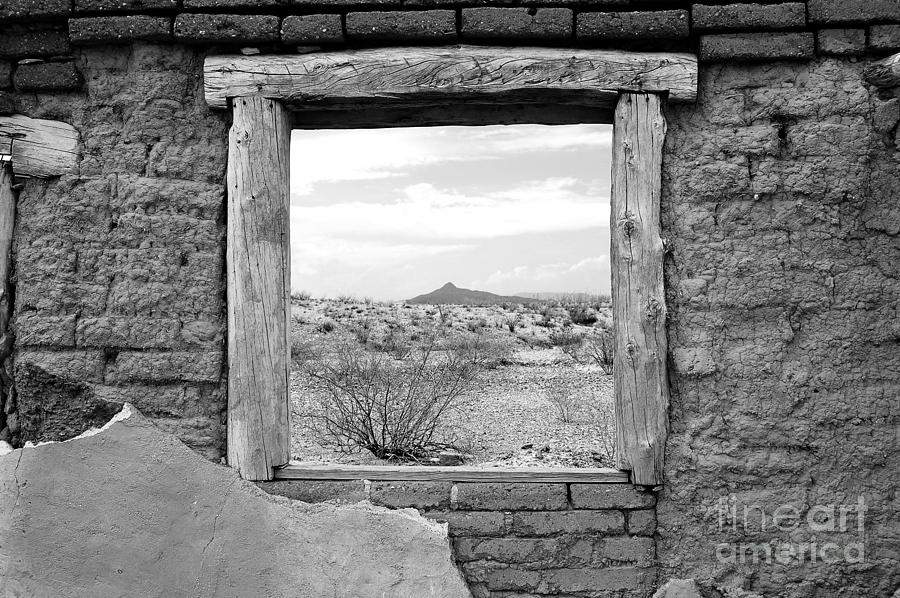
column 270, row 95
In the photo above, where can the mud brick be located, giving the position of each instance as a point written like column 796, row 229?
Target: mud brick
column 202, row 28
column 757, row 46
column 588, row 580
column 420, row 495
column 538, row 523
column 11, row 10
column 235, row 3
column 841, row 42
column 853, row 11
column 732, row 17
column 47, row 76
column 127, row 332
column 663, row 24
column 609, row 496
column 312, row 29
column 884, row 37
column 5, row 74
column 517, row 23
column 112, row 29
column 165, row 366
column 82, row 6
column 471, row 523
column 476, row 496
column 425, row 25
column 27, row 41
column 35, row 329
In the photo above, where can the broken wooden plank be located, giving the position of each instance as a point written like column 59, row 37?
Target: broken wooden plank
column 258, row 271
column 39, row 148
column 420, row 473
column 884, row 73
column 7, row 226
column 639, row 307
column 363, row 78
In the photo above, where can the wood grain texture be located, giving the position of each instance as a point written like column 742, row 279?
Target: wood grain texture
column 316, row 471
column 639, row 309
column 364, row 78
column 468, row 114
column 258, row 264
column 7, row 226
column 884, row 73
column 39, row 148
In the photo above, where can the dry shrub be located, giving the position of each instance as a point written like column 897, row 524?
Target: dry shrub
column 602, row 415
column 569, row 343
column 389, row 407
column 564, row 399
column 600, row 348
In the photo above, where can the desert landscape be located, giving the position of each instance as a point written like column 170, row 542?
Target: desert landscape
column 453, row 377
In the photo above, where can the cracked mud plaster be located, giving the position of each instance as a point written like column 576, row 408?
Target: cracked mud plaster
column 781, row 195
column 128, row 510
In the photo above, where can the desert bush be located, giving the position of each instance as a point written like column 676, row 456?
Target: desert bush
column 362, row 330
column 602, row 415
column 565, row 401
column 326, row 327
column 300, row 296
column 569, row 343
column 513, row 321
column 391, row 408
column 582, row 315
column 347, row 299
column 600, row 348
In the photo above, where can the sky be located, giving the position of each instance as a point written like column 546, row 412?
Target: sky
column 394, row 213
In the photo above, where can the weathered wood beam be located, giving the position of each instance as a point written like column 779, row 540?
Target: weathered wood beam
column 315, row 471
column 364, row 78
column 884, row 73
column 639, row 310
column 468, row 114
column 258, row 271
column 39, row 148
column 7, row 226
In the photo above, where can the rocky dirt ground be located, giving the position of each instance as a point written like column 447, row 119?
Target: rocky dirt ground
column 506, row 416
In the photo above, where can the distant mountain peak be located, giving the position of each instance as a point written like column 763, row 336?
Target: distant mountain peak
column 450, row 294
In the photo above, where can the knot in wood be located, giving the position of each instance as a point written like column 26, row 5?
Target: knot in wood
column 654, row 308
column 626, row 223
column 630, row 349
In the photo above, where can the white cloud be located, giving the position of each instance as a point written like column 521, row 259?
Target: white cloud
column 348, row 155
column 427, row 213
column 552, row 277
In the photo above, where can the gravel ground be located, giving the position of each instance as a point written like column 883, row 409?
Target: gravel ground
column 506, row 419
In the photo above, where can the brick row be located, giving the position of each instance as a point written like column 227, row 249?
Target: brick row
column 728, row 31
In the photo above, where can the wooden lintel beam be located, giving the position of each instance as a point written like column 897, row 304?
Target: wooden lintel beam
column 383, row 76
column 39, row 148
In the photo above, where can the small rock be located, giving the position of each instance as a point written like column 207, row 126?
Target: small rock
column 249, row 51
column 679, row 588
column 528, row 446
column 5, row 448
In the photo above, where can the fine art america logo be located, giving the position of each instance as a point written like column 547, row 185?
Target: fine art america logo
column 841, row 526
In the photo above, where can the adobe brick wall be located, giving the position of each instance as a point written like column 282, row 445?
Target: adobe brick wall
column 524, row 539
column 780, row 206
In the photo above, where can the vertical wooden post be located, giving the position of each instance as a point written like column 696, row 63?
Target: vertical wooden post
column 639, row 369
column 7, row 225
column 258, row 262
